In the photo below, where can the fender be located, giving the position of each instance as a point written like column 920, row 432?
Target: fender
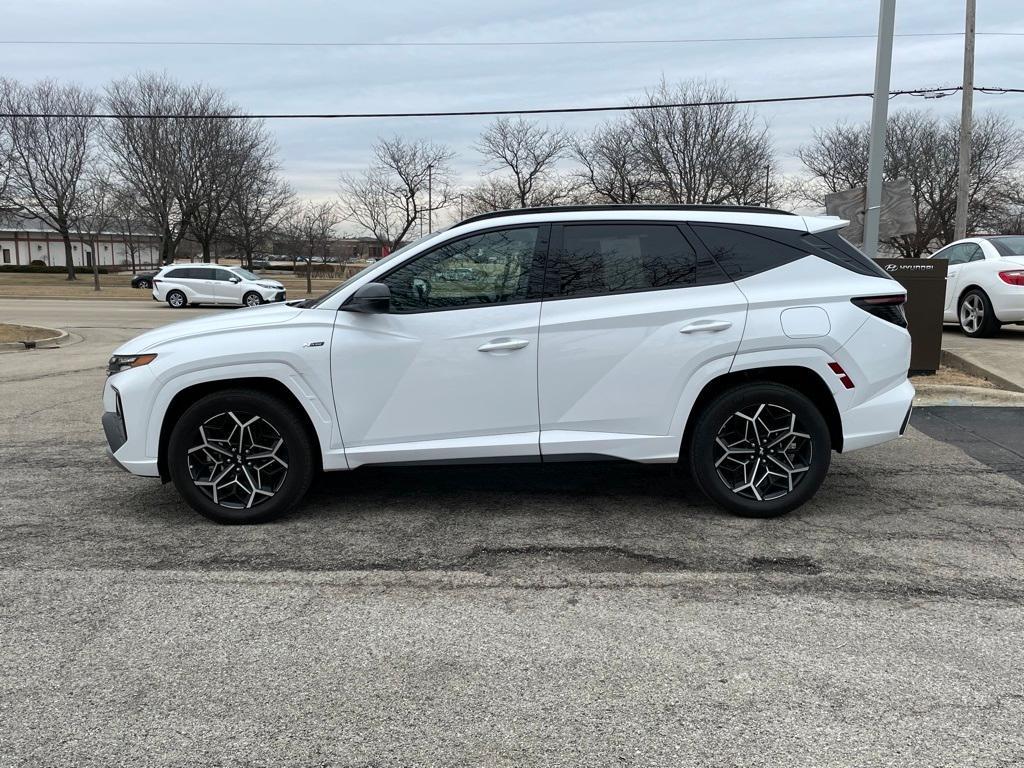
column 317, row 404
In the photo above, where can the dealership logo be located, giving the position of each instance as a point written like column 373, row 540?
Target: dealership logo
column 908, row 267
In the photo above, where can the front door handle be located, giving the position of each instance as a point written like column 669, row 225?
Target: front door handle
column 504, row 344
column 699, row 326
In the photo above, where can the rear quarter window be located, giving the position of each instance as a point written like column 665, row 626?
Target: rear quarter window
column 742, row 252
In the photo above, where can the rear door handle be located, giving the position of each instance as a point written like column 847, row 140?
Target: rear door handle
column 504, row 344
column 699, row 326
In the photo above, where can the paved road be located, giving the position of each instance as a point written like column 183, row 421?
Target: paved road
column 564, row 615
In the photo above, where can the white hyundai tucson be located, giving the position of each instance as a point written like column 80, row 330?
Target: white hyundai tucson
column 745, row 343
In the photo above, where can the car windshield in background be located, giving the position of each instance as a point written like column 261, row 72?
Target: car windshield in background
column 245, row 273
column 1009, row 246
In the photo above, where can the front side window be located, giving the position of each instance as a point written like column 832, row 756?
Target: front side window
column 224, row 275
column 489, row 268
column 957, row 254
column 974, row 252
column 241, row 273
column 599, row 259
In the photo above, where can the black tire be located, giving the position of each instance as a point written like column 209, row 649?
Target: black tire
column 730, row 417
column 235, row 497
column 176, row 300
column 252, row 299
column 975, row 314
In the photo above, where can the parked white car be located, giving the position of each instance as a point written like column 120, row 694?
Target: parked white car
column 745, row 343
column 183, row 284
column 985, row 283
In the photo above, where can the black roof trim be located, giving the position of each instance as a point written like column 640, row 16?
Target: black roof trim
column 611, row 207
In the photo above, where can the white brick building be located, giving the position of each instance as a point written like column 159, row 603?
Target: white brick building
column 23, row 241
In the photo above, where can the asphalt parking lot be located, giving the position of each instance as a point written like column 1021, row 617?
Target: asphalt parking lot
column 501, row 616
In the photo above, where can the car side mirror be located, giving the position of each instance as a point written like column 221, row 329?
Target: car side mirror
column 371, row 299
column 235, row 279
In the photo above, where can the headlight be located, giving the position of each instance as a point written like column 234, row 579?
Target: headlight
column 120, row 363
column 269, row 285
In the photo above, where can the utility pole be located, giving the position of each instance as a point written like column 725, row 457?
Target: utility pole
column 879, row 116
column 966, row 107
column 430, row 198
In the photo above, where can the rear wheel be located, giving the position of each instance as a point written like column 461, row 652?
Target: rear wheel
column 252, row 299
column 176, row 300
column 977, row 318
column 240, row 456
column 760, row 450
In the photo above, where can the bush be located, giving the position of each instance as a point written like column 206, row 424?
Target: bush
column 38, row 268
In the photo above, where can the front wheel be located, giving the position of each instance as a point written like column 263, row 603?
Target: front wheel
column 976, row 316
column 252, row 299
column 240, row 456
column 760, row 450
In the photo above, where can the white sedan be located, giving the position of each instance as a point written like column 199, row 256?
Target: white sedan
column 985, row 283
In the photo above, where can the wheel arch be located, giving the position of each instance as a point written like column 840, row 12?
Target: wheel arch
column 805, row 380
column 188, row 395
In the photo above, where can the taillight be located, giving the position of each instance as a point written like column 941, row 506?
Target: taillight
column 1013, row 276
column 888, row 308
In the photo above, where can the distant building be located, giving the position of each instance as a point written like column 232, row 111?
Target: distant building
column 24, row 240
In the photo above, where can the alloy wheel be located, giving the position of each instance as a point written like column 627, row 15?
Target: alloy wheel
column 252, row 300
column 762, row 452
column 972, row 313
column 176, row 300
column 238, row 460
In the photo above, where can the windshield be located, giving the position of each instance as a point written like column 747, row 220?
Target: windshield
column 245, row 273
column 1009, row 246
column 317, row 302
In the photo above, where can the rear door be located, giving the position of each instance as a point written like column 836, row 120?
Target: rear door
column 629, row 316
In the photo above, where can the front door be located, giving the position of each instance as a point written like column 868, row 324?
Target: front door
column 228, row 287
column 626, row 326
column 450, row 372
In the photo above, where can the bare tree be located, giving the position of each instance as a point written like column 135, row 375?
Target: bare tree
column 96, row 212
column 702, row 154
column 309, row 229
column 611, row 164
column 526, row 154
column 406, row 181
column 170, row 145
column 50, row 155
column 260, row 202
column 923, row 149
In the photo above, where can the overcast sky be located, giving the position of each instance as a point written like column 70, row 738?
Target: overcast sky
column 352, row 79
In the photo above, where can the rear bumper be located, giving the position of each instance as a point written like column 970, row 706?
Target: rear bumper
column 882, row 418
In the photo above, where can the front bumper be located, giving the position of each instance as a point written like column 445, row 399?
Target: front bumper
column 281, row 296
column 878, row 420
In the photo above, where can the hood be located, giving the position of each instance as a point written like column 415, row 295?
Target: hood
column 268, row 314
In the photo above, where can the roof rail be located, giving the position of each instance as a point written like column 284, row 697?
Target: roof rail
column 619, row 207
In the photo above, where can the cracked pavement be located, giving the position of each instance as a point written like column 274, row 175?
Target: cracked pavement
column 525, row 615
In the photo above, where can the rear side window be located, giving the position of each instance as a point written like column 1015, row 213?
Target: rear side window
column 834, row 247
column 741, row 253
column 600, row 259
column 176, row 274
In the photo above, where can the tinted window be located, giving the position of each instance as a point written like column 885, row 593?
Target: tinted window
column 957, row 254
column 1008, row 246
column 834, row 247
column 597, row 259
column 223, row 275
column 181, row 273
column 742, row 253
column 974, row 252
column 489, row 268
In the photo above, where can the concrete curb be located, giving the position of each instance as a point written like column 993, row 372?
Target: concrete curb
column 59, row 336
column 961, row 363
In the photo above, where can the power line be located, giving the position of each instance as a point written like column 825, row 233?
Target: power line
column 477, row 43
column 927, row 93
column 922, row 92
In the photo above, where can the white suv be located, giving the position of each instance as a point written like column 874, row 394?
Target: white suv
column 747, row 344
column 180, row 285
